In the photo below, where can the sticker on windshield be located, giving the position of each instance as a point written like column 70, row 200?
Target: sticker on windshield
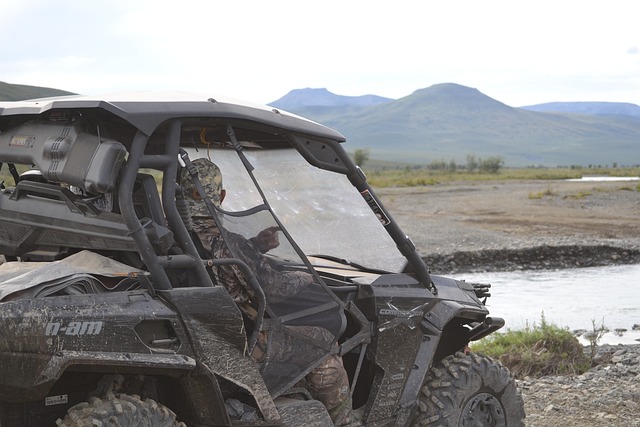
column 375, row 207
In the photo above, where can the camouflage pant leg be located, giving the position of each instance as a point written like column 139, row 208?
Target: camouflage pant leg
column 329, row 382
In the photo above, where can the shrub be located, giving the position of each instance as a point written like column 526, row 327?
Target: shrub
column 491, row 164
column 361, row 156
column 472, row 163
column 537, row 350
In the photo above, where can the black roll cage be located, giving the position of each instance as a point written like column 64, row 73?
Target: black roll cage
column 322, row 153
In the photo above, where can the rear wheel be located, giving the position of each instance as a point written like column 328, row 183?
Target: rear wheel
column 122, row 411
column 469, row 390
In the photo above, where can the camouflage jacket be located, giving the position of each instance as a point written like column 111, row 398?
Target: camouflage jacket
column 277, row 285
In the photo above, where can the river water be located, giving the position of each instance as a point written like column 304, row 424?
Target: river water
column 572, row 298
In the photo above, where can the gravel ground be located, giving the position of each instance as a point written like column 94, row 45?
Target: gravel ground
column 506, row 225
column 607, row 395
column 501, row 226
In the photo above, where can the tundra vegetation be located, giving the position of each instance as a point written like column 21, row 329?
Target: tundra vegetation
column 380, row 176
column 542, row 349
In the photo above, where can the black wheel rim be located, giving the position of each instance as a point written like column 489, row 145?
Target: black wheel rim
column 483, row 410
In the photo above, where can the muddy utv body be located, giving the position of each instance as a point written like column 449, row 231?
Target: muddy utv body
column 109, row 312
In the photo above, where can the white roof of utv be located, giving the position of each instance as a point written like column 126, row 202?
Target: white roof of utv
column 146, row 110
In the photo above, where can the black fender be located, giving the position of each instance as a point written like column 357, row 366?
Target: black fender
column 414, row 328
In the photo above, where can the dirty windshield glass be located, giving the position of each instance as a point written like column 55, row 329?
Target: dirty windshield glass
column 323, row 212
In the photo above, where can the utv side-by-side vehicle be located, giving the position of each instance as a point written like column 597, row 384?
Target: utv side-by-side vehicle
column 110, row 314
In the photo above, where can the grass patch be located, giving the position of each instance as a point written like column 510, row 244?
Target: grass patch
column 537, row 350
column 579, row 195
column 540, row 194
column 420, row 176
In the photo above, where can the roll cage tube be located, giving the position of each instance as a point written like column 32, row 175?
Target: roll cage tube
column 167, row 163
column 329, row 155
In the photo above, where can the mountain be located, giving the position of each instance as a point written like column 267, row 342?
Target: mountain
column 449, row 121
column 595, row 108
column 13, row 92
column 299, row 98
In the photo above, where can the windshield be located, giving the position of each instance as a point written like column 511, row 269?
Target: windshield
column 321, row 210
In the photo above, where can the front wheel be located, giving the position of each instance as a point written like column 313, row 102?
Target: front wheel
column 123, row 410
column 469, row 390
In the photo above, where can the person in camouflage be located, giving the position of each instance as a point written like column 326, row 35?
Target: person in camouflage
column 276, row 285
column 329, row 381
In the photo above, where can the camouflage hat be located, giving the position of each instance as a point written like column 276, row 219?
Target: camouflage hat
column 211, row 179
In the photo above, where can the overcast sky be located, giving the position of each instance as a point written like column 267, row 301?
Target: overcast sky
column 518, row 52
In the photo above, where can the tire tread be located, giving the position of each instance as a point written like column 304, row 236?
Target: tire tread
column 454, row 380
column 119, row 410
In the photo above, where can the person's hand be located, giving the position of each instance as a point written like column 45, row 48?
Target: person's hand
column 267, row 239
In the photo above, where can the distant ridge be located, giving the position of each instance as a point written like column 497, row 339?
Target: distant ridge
column 321, row 97
column 595, row 108
column 448, row 121
column 14, row 92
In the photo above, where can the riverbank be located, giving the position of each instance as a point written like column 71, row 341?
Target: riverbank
column 519, row 225
column 472, row 227
column 536, row 258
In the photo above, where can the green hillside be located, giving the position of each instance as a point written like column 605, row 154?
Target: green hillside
column 449, row 121
column 12, row 92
